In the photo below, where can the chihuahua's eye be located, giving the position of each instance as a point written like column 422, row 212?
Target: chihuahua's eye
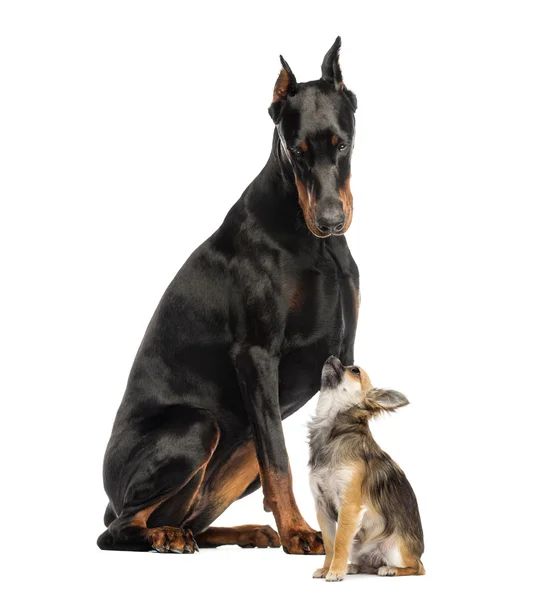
column 355, row 370
column 342, row 146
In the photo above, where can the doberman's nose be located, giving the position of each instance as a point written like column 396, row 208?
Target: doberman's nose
column 331, row 221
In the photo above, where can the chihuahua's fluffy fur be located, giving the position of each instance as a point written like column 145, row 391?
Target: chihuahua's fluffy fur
column 365, row 506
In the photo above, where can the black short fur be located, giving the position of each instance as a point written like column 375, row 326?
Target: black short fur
column 238, row 339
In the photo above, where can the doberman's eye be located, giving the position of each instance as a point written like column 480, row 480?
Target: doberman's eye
column 343, row 146
column 296, row 150
column 355, row 370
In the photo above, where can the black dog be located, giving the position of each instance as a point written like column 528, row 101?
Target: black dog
column 238, row 341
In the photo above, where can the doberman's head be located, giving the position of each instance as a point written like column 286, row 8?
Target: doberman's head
column 315, row 123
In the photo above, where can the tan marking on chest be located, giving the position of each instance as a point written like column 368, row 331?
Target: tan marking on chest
column 295, row 295
column 295, row 301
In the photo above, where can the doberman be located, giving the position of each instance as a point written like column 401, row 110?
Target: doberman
column 238, row 341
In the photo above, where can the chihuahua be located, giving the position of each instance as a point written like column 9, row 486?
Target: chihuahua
column 365, row 506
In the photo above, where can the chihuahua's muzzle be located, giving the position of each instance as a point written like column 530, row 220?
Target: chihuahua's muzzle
column 332, row 373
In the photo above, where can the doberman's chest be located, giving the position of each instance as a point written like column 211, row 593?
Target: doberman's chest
column 317, row 296
column 320, row 322
column 315, row 308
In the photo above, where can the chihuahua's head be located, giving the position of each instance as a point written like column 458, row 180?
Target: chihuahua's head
column 346, row 387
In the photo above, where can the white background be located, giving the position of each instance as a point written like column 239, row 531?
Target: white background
column 128, row 129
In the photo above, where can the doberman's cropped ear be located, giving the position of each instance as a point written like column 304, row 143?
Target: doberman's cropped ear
column 286, row 85
column 330, row 68
column 388, row 400
column 331, row 72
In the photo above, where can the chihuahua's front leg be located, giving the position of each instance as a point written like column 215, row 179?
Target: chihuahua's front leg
column 257, row 373
column 350, row 514
column 328, row 528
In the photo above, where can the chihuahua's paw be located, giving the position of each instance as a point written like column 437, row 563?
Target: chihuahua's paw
column 320, row 573
column 352, row 569
column 335, row 575
column 386, row 571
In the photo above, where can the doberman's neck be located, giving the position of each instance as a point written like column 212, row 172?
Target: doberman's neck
column 278, row 173
column 279, row 156
column 273, row 197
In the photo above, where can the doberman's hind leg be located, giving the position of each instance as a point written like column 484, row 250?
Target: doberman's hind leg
column 238, row 477
column 246, row 536
column 135, row 535
column 109, row 515
column 170, row 463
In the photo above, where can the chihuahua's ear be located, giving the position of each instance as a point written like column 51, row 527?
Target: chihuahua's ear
column 286, row 85
column 331, row 72
column 388, row 400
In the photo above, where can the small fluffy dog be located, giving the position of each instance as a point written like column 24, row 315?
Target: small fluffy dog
column 358, row 486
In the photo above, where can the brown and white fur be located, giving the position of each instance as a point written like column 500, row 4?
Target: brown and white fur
column 365, row 506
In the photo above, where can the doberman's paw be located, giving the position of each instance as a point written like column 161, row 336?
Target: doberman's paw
column 258, row 536
column 172, row 539
column 320, row 573
column 302, row 541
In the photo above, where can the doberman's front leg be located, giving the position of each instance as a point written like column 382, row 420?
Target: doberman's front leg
column 257, row 372
column 351, row 309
